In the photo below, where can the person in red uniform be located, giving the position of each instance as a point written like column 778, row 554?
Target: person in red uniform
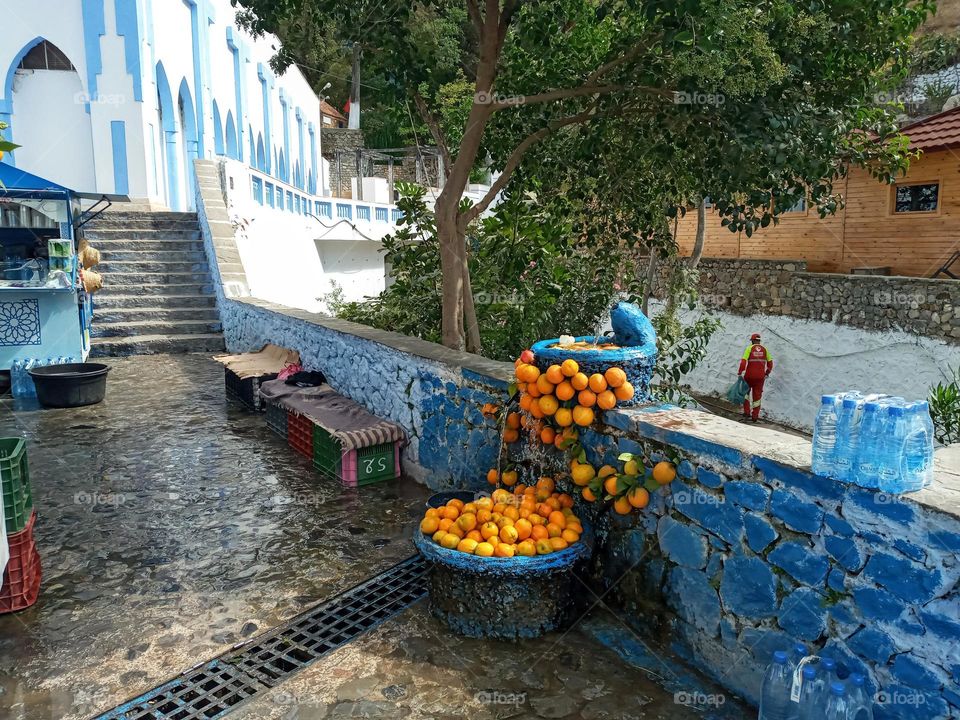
column 755, row 366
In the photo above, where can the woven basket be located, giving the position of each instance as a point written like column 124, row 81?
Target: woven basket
column 92, row 281
column 89, row 256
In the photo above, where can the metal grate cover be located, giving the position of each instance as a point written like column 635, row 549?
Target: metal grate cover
column 215, row 688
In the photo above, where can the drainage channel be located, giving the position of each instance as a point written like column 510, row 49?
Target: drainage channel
column 215, row 688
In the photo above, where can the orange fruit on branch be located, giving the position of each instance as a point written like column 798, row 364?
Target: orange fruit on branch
column 610, row 485
column 569, row 367
column 548, row 404
column 597, row 383
column 624, row 392
column 615, row 377
column 606, row 400
column 580, row 381
column 583, row 416
column 622, row 506
column 664, row 472
column 588, row 495
column 638, row 497
column 554, row 374
column 563, row 417
column 548, row 435
column 513, row 420
column 587, row 398
column 544, row 385
column 565, row 391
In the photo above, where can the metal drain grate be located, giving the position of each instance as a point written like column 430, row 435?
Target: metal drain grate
column 215, row 688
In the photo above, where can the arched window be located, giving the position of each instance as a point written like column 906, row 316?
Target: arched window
column 45, row 56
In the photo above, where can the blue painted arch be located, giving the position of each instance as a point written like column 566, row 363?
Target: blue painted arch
column 261, row 156
column 169, row 137
column 218, row 144
column 282, row 167
column 253, row 147
column 232, row 145
column 191, row 145
column 6, row 102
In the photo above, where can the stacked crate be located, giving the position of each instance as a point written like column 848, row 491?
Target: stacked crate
column 21, row 578
column 361, row 466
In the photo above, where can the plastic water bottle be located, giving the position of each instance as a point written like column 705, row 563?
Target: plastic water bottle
column 916, row 466
column 894, row 431
column 775, row 694
column 848, row 436
column 811, row 692
column 825, row 436
column 861, row 707
column 837, row 707
column 865, row 469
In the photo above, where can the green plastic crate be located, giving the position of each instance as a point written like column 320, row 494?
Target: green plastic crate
column 363, row 466
column 15, row 478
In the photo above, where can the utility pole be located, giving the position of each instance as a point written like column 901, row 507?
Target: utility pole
column 353, row 122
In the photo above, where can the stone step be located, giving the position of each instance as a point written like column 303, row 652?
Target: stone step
column 134, row 255
column 97, row 235
column 155, row 327
column 141, row 214
column 154, row 313
column 147, row 265
column 156, row 344
column 158, row 278
column 157, row 288
column 118, row 301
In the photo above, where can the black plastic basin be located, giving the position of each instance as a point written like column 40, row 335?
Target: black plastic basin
column 70, row 384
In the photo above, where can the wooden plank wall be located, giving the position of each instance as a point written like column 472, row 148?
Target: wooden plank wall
column 865, row 233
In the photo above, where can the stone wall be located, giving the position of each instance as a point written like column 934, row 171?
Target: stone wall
column 745, row 552
column 919, row 306
column 343, row 141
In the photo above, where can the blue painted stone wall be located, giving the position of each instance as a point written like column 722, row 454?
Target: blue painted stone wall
column 747, row 556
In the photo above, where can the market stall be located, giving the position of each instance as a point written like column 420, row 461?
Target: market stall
column 45, row 312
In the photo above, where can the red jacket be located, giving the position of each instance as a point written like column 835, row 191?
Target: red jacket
column 756, row 362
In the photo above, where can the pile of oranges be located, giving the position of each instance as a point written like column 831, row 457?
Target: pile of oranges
column 531, row 520
column 561, row 399
column 629, row 490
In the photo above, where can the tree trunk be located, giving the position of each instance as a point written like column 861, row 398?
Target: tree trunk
column 451, row 273
column 469, row 308
column 651, row 275
column 701, row 234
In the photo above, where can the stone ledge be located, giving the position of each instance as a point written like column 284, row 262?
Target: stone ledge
column 736, row 444
column 501, row 372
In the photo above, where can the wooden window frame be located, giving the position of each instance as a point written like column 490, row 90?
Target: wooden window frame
column 892, row 198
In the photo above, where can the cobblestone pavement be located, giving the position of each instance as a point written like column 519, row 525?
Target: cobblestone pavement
column 173, row 524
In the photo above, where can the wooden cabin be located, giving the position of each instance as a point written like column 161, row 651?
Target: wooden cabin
column 912, row 227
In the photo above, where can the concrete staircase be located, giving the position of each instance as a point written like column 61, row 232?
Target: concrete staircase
column 157, row 294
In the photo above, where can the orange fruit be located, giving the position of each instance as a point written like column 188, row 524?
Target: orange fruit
column 554, row 374
column 536, row 519
column 582, row 416
column 493, row 540
column 444, row 524
column 631, row 467
column 470, row 508
column 547, row 484
column 569, row 367
column 509, row 534
column 519, row 371
column 493, row 477
column 544, row 547
column 528, row 548
column 536, row 411
column 606, row 471
column 449, row 512
column 544, row 386
column 638, row 497
column 548, row 404
column 513, row 420
column 554, row 530
column 467, row 545
column 580, row 381
column 622, row 505
column 610, row 485
column 510, row 478
column 615, row 377
column 429, row 525
column 581, row 473
column 431, row 512
column 528, row 373
column 624, row 392
column 553, row 502
column 575, row 527
column 560, row 439
column 547, row 436
column 457, row 530
column 533, row 392
column 523, row 528
column 544, row 510
column 483, row 549
column 558, row 518
column 606, row 400
column 484, row 503
column 558, row 543
column 587, row 398
column 499, row 496
column 588, row 495
column 484, row 515
column 510, row 435
column 565, row 391
column 570, row 536
column 511, row 513
column 475, row 535
column 467, row 522
column 456, row 503
column 597, row 383
column 539, row 532
column 450, row 541
column 488, row 530
column 525, row 401
column 566, row 501
column 438, row 536
column 563, row 417
column 664, row 472
column 503, row 550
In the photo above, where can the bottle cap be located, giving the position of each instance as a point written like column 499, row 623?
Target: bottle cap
column 809, row 672
column 828, row 399
column 849, row 402
column 780, row 657
column 896, row 411
column 871, row 406
column 857, row 679
column 829, row 663
column 836, row 687
column 800, row 649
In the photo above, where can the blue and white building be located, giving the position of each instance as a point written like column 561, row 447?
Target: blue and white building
column 120, row 96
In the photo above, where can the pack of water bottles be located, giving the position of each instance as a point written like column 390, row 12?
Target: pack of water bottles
column 797, row 686
column 875, row 441
column 21, row 384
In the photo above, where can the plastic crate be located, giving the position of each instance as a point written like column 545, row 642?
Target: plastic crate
column 21, row 579
column 361, row 466
column 246, row 390
column 276, row 418
column 15, row 479
column 300, row 434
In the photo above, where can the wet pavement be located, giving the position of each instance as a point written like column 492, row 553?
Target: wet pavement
column 173, row 524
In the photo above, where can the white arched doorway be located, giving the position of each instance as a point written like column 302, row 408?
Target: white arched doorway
column 50, row 120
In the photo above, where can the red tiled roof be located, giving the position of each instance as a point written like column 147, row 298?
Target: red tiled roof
column 937, row 132
column 328, row 109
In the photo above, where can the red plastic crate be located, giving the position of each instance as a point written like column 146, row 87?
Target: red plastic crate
column 21, row 579
column 300, row 434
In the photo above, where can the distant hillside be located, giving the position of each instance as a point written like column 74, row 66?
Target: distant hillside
column 947, row 19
